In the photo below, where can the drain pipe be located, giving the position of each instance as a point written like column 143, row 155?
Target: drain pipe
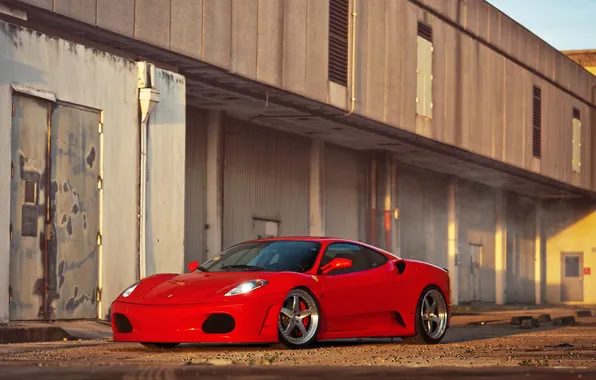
column 148, row 99
column 353, row 68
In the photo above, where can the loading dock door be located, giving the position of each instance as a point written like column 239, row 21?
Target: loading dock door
column 54, row 234
column 73, row 252
column 344, row 177
column 28, row 208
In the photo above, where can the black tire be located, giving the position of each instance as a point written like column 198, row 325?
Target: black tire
column 161, row 346
column 313, row 324
column 422, row 336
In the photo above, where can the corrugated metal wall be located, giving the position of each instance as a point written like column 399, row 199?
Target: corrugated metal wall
column 476, row 226
column 345, row 193
column 423, row 215
column 521, row 247
column 266, row 176
column 195, row 192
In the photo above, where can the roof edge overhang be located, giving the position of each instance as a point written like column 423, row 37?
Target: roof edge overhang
column 230, row 82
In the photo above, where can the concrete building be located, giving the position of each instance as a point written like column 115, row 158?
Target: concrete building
column 439, row 130
column 585, row 58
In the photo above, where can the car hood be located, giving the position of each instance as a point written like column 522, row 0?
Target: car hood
column 197, row 287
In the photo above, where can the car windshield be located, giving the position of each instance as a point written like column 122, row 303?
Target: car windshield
column 273, row 256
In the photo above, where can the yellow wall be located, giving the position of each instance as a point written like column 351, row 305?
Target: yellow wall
column 591, row 69
column 576, row 237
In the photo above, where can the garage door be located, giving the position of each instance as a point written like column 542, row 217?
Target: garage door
column 345, row 193
column 266, row 182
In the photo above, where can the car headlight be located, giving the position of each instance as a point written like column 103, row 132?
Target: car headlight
column 129, row 290
column 247, row 287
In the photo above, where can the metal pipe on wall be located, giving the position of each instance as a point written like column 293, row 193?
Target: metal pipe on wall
column 353, row 64
column 148, row 99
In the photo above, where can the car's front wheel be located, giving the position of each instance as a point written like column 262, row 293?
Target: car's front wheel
column 298, row 322
column 160, row 345
column 431, row 318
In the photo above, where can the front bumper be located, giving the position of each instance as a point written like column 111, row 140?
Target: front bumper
column 254, row 321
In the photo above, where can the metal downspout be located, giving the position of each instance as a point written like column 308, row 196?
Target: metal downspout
column 353, row 64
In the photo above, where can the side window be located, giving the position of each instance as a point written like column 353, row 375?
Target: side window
column 362, row 258
column 376, row 259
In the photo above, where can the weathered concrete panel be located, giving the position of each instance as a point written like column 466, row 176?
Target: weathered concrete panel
column 394, row 58
column 166, row 176
column 45, row 4
column 270, row 41
column 187, row 27
column 408, row 96
column 375, row 73
column 117, row 16
column 152, row 22
column 294, row 46
column 82, row 10
column 439, row 82
column 244, row 38
column 94, row 79
column 361, row 59
column 216, row 32
column 317, row 48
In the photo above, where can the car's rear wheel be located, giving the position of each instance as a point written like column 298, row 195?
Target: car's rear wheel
column 298, row 322
column 160, row 345
column 431, row 318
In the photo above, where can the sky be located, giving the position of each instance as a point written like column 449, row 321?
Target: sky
column 564, row 24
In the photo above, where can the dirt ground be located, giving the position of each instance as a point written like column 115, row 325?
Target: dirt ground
column 478, row 340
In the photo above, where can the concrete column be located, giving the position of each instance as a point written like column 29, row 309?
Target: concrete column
column 452, row 237
column 166, row 158
column 316, row 215
column 372, row 202
column 538, row 254
column 500, row 247
column 214, row 192
column 382, row 183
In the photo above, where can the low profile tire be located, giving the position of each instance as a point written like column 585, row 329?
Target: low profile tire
column 431, row 318
column 160, row 345
column 298, row 321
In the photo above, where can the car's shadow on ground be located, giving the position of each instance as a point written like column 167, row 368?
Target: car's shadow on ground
column 460, row 333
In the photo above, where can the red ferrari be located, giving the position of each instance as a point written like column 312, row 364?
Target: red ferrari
column 291, row 290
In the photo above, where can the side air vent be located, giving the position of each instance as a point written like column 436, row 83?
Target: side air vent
column 401, row 266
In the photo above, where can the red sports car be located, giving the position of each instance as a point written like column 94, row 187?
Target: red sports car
column 291, row 290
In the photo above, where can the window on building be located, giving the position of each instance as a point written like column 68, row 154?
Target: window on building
column 537, row 122
column 576, row 141
column 338, row 41
column 424, row 71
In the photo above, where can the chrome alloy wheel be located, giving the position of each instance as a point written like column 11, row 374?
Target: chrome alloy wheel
column 434, row 314
column 298, row 317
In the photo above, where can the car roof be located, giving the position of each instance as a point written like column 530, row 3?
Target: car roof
column 322, row 239
column 305, row 238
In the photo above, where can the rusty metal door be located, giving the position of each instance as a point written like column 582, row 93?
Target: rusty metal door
column 28, row 212
column 75, row 176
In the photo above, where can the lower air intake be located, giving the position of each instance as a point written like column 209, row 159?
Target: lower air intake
column 219, row 324
column 122, row 323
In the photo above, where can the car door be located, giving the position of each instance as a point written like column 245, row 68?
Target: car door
column 354, row 299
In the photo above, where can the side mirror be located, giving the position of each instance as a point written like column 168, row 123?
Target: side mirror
column 336, row 264
column 192, row 266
